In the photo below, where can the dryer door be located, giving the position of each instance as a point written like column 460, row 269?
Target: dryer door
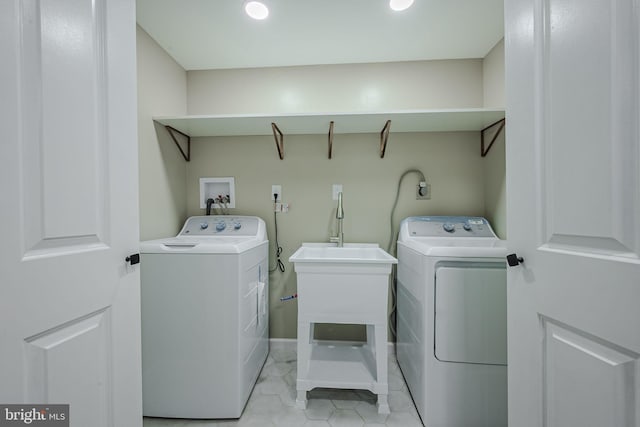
column 471, row 313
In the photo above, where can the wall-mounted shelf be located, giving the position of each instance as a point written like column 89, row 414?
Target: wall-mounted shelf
column 471, row 119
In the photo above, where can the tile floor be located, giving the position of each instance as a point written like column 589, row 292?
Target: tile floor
column 272, row 402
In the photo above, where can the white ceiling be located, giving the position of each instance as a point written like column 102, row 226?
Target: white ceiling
column 216, row 34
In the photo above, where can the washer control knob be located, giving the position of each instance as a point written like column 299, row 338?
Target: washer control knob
column 466, row 226
column 204, row 225
column 448, row 227
column 221, row 226
column 237, row 225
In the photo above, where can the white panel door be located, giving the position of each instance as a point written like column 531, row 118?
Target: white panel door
column 69, row 303
column 573, row 177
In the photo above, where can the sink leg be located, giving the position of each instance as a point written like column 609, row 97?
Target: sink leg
column 301, row 399
column 380, row 350
column 305, row 335
column 383, row 404
column 377, row 339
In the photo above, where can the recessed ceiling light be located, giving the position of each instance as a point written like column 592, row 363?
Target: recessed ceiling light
column 399, row 5
column 257, row 9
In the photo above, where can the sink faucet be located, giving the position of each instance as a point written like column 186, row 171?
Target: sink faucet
column 339, row 239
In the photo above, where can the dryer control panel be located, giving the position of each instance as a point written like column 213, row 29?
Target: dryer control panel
column 449, row 226
column 220, row 225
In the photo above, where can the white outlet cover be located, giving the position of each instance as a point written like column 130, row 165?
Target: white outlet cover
column 337, row 188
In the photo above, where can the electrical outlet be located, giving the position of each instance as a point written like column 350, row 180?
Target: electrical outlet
column 276, row 189
column 423, row 192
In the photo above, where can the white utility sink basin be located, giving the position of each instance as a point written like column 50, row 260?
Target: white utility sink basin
column 342, row 284
column 351, row 253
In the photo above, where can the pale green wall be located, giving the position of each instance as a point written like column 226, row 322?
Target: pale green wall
column 162, row 90
column 450, row 162
column 495, row 187
column 337, row 88
column 494, row 162
column 493, row 77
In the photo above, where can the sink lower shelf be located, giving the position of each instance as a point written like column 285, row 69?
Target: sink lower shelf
column 341, row 365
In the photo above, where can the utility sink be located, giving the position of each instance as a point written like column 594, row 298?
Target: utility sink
column 342, row 284
column 351, row 253
column 348, row 284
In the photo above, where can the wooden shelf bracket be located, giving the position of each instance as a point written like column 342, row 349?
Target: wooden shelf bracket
column 330, row 136
column 186, row 152
column 279, row 137
column 483, row 151
column 384, row 137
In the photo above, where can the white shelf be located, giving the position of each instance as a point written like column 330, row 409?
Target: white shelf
column 342, row 366
column 472, row 119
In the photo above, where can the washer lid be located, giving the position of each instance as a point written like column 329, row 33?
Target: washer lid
column 200, row 245
column 477, row 248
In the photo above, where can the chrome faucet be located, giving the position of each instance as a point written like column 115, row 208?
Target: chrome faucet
column 339, row 239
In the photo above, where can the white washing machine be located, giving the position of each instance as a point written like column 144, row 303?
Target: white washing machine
column 452, row 320
column 205, row 317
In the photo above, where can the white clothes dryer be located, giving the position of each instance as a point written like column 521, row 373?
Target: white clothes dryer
column 205, row 317
column 452, row 320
